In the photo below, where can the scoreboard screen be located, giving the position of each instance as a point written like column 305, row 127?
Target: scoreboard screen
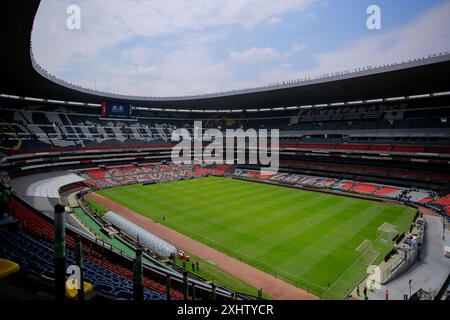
column 116, row 110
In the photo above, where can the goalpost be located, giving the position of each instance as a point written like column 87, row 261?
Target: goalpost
column 386, row 232
column 363, row 246
column 365, row 256
column 365, row 253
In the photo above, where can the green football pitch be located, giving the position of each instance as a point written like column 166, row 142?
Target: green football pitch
column 319, row 242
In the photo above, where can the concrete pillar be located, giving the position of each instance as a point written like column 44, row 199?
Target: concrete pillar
column 168, row 285
column 60, row 252
column 79, row 261
column 213, row 291
column 193, row 291
column 138, row 276
column 185, row 285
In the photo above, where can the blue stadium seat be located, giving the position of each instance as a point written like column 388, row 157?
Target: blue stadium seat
column 36, row 256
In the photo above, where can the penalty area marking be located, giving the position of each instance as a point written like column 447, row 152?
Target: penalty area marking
column 364, row 245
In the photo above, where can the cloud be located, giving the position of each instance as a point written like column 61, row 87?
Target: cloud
column 180, row 47
column 137, row 55
column 423, row 36
column 274, row 20
column 107, row 24
column 298, row 46
column 255, row 55
column 427, row 34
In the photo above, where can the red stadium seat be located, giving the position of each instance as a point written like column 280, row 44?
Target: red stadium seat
column 384, row 191
column 411, row 149
column 365, row 188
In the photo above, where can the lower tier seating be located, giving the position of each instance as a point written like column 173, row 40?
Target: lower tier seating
column 36, row 256
column 419, row 197
column 40, row 229
column 112, row 177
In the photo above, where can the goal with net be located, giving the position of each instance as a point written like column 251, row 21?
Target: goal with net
column 386, row 232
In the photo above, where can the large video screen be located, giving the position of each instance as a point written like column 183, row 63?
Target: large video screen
column 116, row 110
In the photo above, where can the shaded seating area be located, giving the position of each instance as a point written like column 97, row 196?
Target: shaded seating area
column 35, row 256
column 32, row 249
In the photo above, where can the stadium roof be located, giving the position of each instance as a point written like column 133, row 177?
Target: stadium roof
column 21, row 76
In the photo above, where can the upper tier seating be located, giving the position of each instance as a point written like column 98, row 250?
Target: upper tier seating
column 61, row 126
column 365, row 147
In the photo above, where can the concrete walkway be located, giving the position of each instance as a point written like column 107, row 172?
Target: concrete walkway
column 428, row 274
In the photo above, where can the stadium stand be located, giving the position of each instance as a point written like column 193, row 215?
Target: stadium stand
column 416, row 158
column 416, row 195
column 101, row 152
column 365, row 188
column 44, row 126
column 33, row 250
column 390, row 192
column 36, row 257
column 146, row 173
column 394, row 149
column 407, row 195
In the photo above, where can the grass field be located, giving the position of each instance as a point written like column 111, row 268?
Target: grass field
column 306, row 238
column 212, row 272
